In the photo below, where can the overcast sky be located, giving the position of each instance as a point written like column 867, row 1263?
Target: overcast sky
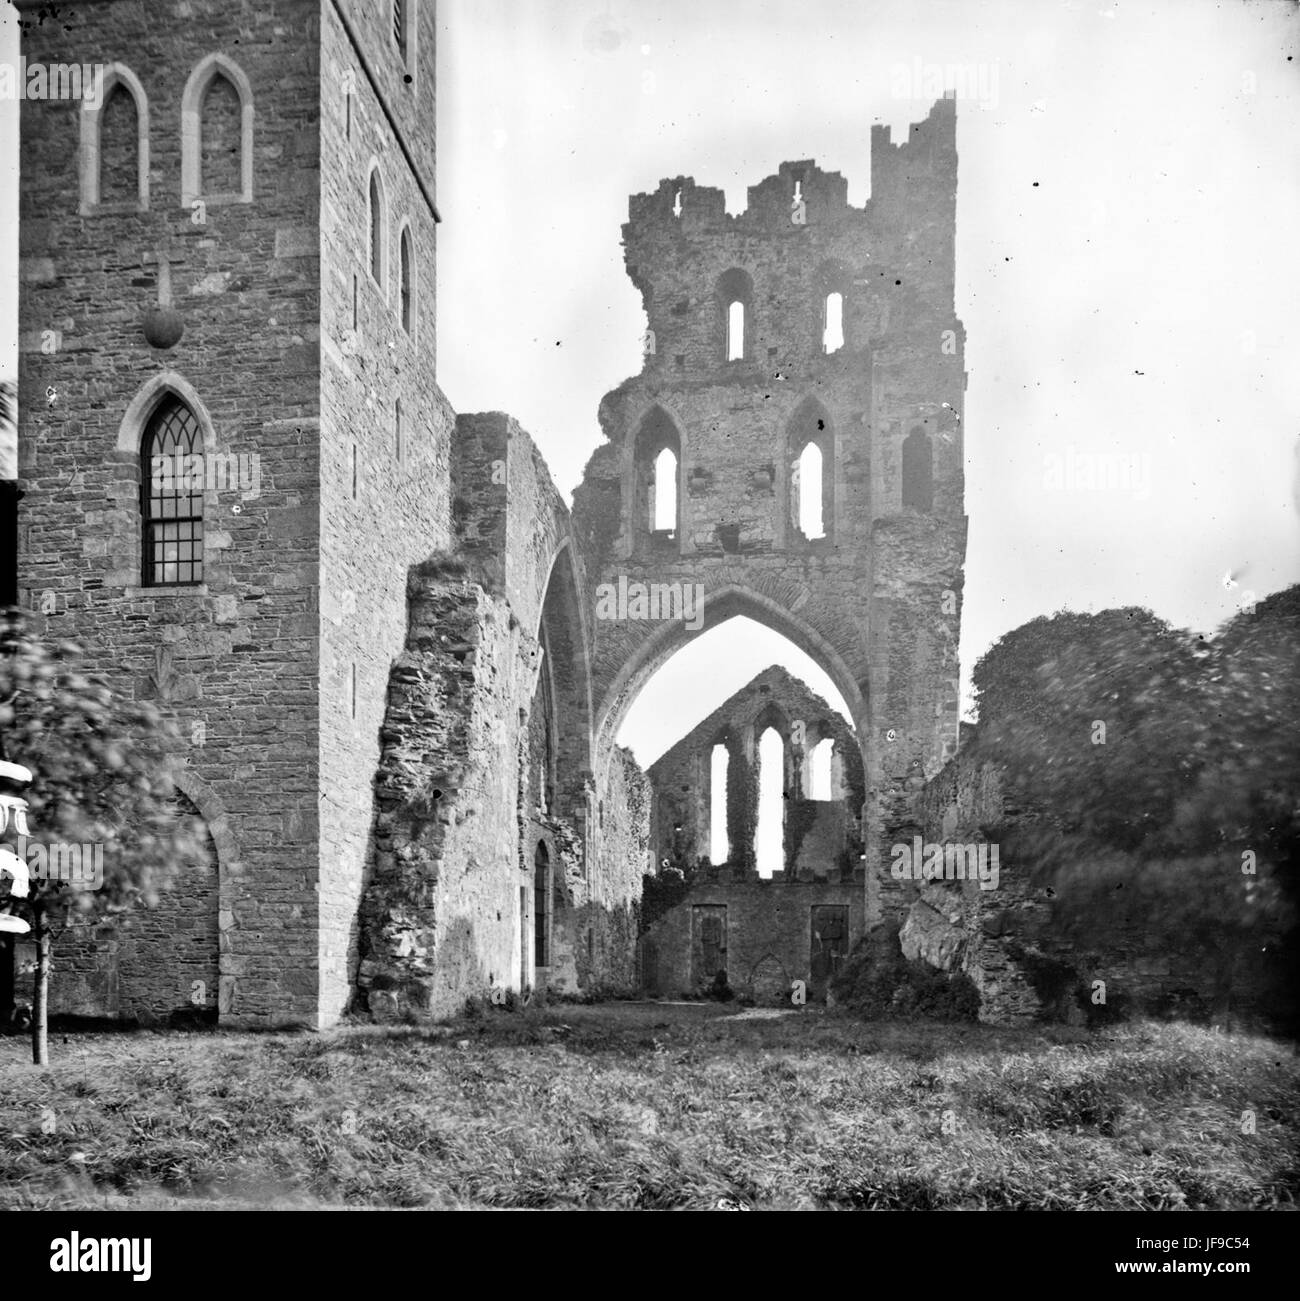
column 1127, row 213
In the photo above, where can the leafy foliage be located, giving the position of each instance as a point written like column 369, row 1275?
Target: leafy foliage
column 1155, row 766
column 99, row 774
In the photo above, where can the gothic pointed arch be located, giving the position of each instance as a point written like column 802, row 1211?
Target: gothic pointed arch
column 652, row 474
column 217, row 133
column 115, row 145
column 810, row 427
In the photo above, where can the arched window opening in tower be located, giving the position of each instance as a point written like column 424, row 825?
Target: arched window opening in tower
column 833, row 333
column 664, row 492
column 719, row 844
column 809, row 487
column 769, row 838
column 172, row 497
column 119, row 147
column 918, row 471
column 220, row 137
column 736, row 331
column 819, row 770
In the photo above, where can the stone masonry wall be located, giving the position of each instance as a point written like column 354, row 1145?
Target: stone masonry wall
column 385, row 493
column 235, row 658
column 768, row 927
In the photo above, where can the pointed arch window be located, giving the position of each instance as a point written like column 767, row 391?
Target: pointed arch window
column 375, row 212
column 115, row 145
column 406, row 281
column 656, row 477
column 810, row 447
column 172, row 479
column 217, row 134
column 918, row 471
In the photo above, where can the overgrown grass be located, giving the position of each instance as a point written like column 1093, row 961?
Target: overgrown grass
column 635, row 1105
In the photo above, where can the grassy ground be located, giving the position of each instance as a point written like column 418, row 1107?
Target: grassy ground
column 636, row 1105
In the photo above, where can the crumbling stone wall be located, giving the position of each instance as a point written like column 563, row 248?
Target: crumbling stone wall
column 451, row 907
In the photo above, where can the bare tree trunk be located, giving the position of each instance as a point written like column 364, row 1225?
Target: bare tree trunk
column 41, row 991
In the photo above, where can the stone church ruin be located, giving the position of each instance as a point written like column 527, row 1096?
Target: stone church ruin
column 402, row 662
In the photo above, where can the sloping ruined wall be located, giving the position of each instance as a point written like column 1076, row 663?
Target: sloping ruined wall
column 470, row 781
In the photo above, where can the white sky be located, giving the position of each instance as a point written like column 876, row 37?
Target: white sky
column 1160, row 239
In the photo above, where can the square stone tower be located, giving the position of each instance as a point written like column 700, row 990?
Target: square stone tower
column 228, row 271
column 793, row 446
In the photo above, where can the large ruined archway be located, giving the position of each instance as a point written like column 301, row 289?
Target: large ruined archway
column 730, row 602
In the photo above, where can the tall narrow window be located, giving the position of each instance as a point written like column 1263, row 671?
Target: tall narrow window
column 119, row 146
column 354, row 471
column 719, row 844
column 376, row 206
column 735, row 297
column 918, row 471
column 809, row 488
column 541, row 905
column 656, row 504
column 115, row 145
column 399, row 24
column 664, row 492
column 833, row 334
column 217, row 134
column 172, row 479
column 406, row 287
column 220, row 138
column 769, row 836
column 736, row 331
column 811, row 449
column 397, row 429
column 819, row 770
